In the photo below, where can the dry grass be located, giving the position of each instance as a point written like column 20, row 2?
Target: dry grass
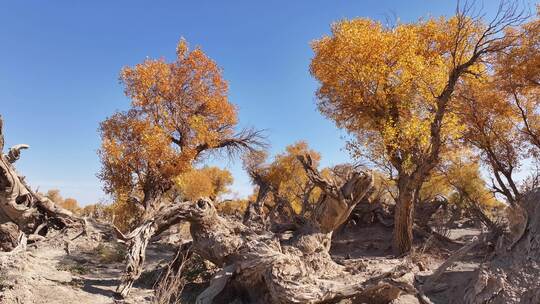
column 109, row 253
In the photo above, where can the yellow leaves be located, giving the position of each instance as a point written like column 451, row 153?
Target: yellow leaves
column 462, row 173
column 287, row 176
column 126, row 215
column 233, row 207
column 383, row 84
column 182, row 49
column 206, row 182
column 178, row 110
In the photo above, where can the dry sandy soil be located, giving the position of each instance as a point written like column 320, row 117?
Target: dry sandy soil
column 88, row 268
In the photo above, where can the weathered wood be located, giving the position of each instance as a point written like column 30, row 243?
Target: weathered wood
column 9, row 236
column 456, row 256
column 217, row 284
column 138, row 240
column 19, row 205
column 511, row 274
column 263, row 263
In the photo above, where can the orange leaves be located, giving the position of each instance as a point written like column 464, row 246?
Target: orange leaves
column 206, row 182
column 178, row 110
column 285, row 174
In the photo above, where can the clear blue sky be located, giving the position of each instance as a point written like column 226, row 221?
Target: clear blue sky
column 60, row 60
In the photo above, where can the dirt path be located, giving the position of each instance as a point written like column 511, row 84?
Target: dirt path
column 46, row 274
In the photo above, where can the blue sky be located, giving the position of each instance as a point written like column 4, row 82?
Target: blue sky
column 60, row 60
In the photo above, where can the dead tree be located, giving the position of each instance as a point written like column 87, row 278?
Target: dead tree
column 24, row 212
column 268, row 266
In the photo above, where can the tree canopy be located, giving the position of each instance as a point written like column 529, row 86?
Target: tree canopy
column 393, row 88
column 179, row 110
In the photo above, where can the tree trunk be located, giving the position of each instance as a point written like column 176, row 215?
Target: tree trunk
column 271, row 268
column 138, row 239
column 403, row 222
column 257, row 260
column 135, row 257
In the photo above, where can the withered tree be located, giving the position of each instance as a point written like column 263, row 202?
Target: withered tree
column 281, row 267
column 24, row 214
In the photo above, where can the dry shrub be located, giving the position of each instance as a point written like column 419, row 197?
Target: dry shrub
column 185, row 268
column 232, row 207
column 109, row 253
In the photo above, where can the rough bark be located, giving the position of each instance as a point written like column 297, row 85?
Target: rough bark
column 271, row 269
column 368, row 212
column 511, row 275
column 403, row 223
column 9, row 236
column 263, row 262
column 138, row 240
column 19, row 205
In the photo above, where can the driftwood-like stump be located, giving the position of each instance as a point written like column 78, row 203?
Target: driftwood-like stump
column 291, row 266
column 22, row 211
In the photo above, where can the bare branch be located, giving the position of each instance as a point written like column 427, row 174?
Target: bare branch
column 15, row 152
column 245, row 140
column 316, row 178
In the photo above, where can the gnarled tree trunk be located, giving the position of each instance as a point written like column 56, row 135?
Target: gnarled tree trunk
column 273, row 268
column 404, row 217
column 21, row 209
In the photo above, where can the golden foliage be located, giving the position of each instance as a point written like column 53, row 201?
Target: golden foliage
column 459, row 179
column 393, row 89
column 286, row 177
column 178, row 110
column 125, row 215
column 492, row 126
column 205, row 182
column 233, row 207
column 382, row 84
column 70, row 204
